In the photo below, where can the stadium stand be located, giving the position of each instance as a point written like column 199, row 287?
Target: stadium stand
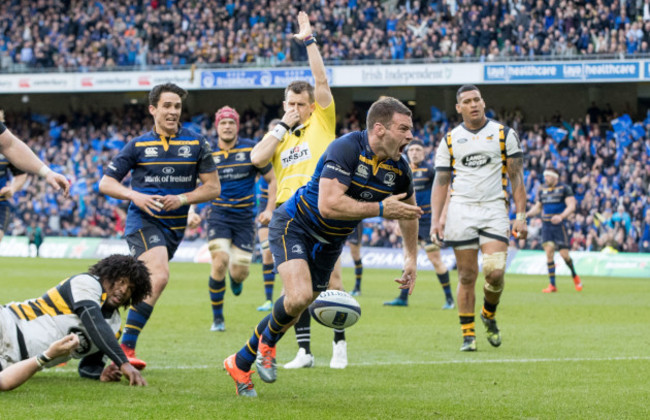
column 607, row 164
column 79, row 36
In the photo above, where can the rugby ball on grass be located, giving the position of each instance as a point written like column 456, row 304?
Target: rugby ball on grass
column 335, row 309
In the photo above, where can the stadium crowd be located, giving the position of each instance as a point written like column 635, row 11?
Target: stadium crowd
column 610, row 181
column 83, row 35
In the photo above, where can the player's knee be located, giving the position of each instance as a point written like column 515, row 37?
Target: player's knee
column 297, row 300
column 239, row 273
column 494, row 267
column 467, row 276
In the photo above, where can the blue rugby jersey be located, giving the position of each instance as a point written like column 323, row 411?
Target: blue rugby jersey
column 263, row 196
column 351, row 161
column 237, row 175
column 552, row 200
column 423, row 177
column 5, row 168
column 162, row 166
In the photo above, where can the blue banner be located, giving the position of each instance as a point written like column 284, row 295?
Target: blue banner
column 613, row 71
column 243, row 79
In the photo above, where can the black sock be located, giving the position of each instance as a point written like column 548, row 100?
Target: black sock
column 303, row 331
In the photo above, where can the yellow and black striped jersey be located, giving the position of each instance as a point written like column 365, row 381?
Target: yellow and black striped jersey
column 48, row 318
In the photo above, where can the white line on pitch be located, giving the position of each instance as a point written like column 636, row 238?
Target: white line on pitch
column 443, row 362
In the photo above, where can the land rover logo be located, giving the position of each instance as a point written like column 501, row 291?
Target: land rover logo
column 168, row 170
column 476, row 160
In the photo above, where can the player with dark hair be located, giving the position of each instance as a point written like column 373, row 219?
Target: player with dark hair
column 263, row 219
column 423, row 176
column 557, row 203
column 360, row 175
column 478, row 157
column 14, row 151
column 231, row 223
column 85, row 304
column 165, row 165
column 294, row 146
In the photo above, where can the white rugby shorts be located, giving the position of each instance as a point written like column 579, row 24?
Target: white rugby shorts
column 470, row 225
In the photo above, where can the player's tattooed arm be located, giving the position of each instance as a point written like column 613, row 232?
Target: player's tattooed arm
column 443, row 178
column 515, row 167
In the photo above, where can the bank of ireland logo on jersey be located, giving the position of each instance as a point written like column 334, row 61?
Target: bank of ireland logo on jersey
column 151, row 152
column 297, row 154
column 362, row 171
column 184, row 151
column 389, row 179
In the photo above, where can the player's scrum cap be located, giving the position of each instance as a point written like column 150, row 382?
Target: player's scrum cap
column 226, row 112
column 416, row 142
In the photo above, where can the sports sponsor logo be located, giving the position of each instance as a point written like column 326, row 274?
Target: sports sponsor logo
column 366, row 195
column 151, row 152
column 296, row 249
column 461, row 141
column 154, row 239
column 475, row 160
column 216, row 159
column 184, row 151
column 389, row 179
column 362, row 171
column 337, row 168
column 295, row 155
column 240, row 156
column 168, row 170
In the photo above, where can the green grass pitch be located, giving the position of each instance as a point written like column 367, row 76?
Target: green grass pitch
column 566, row 355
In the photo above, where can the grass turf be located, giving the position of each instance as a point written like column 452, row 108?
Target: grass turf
column 565, row 355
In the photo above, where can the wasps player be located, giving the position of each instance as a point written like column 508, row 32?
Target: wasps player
column 86, row 305
column 477, row 158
